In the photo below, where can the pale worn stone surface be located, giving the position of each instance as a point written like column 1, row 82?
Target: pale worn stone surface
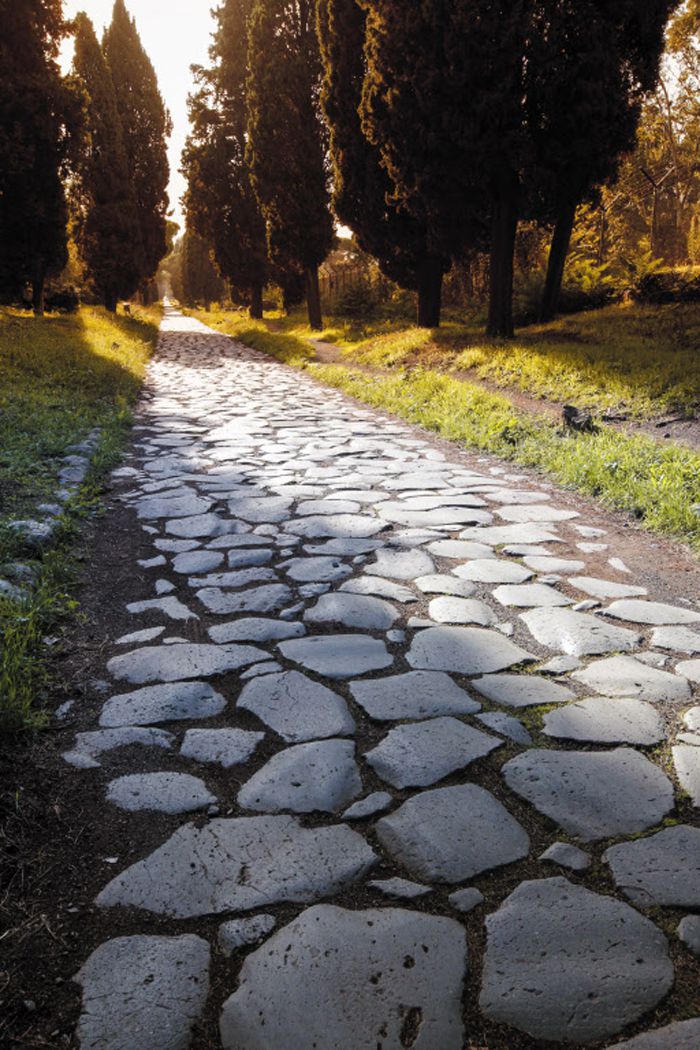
column 420, row 754
column 464, row 650
column 268, row 598
column 681, row 1035
column 418, row 694
column 396, row 592
column 487, row 570
column 89, row 746
column 297, row 708
column 377, row 802
column 315, row 984
column 239, row 865
column 521, row 690
column 656, row 613
column 450, row 609
column 605, row 588
column 353, row 610
column 222, row 747
column 576, row 633
column 466, row 900
column 625, row 676
column 566, row 856
column 143, row 993
column 598, row 720
column 163, row 792
column 689, row 933
column 680, row 639
column 404, row 889
column 592, row 795
column 238, row 933
column 531, row 595
column 535, row 513
column 255, row 629
column 568, row 965
column 506, row 725
column 177, row 662
column 306, row 778
column 436, row 583
column 686, row 759
column 452, row 834
column 401, row 565
column 338, row 655
column 175, row 702
column 661, row 869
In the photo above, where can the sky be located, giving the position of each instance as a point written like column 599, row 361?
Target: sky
column 176, row 34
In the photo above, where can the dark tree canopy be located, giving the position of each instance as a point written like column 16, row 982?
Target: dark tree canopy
column 287, row 140
column 145, row 126
column 362, row 190
column 38, row 114
column 200, row 281
column 220, row 202
column 106, row 221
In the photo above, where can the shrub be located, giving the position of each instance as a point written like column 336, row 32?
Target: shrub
column 668, row 286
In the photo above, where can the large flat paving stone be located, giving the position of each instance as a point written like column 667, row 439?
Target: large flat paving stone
column 239, row 865
column 401, row 565
column 531, row 595
column 342, row 980
column 266, row 599
column 338, row 655
column 221, row 747
column 143, row 993
column 625, row 676
column 175, row 702
column 420, row 754
column 568, row 965
column 464, row 650
column 88, row 747
column 679, row 639
column 450, row 609
column 316, row 777
column 379, row 587
column 492, row 570
column 439, row 583
column 593, row 795
column 535, row 512
column 160, row 792
column 451, row 834
column 297, row 708
column 599, row 720
column 578, row 634
column 686, row 759
column 316, row 570
column 656, row 613
column 605, row 588
column 353, row 610
column 173, row 663
column 183, row 506
column 335, row 526
column 681, row 1035
column 521, row 690
column 255, row 629
column 416, row 695
column 661, row 869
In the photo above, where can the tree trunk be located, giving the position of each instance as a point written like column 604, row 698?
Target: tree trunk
column 558, row 251
column 313, row 299
column 256, row 302
column 504, row 229
column 430, row 275
column 110, row 302
column 38, row 285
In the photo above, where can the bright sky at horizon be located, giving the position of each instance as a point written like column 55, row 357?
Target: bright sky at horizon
column 176, row 34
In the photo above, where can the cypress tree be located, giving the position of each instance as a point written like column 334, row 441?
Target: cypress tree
column 38, row 119
column 200, row 281
column 220, row 202
column 287, row 140
column 146, row 126
column 362, row 189
column 107, row 228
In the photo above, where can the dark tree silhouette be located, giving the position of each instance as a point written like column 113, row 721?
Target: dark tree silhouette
column 362, row 189
column 220, row 202
column 39, row 115
column 146, row 126
column 106, row 222
column 286, row 147
column 200, row 281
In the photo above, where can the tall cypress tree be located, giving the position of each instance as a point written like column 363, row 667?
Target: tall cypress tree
column 107, row 227
column 200, row 281
column 146, row 126
column 362, row 189
column 38, row 114
column 287, row 140
column 220, row 202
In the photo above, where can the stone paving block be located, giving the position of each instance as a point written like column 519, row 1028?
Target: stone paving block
column 681, row 1035
column 464, row 650
column 338, row 655
column 661, row 869
column 521, row 690
column 297, row 708
column 222, row 747
column 177, row 662
column 416, row 695
column 625, row 676
column 656, row 613
column 160, row 792
column 321, row 776
column 577, row 634
column 175, row 702
column 422, row 753
column 362, row 611
column 599, row 720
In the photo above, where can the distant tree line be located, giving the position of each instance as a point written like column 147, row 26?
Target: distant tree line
column 433, row 130
column 82, row 158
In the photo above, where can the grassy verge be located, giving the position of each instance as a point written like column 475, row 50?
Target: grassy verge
column 638, row 361
column 657, row 484
column 59, row 378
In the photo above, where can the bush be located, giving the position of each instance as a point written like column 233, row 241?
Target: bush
column 586, row 286
column 668, row 286
column 357, row 301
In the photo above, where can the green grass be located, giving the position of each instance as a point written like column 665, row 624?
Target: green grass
column 60, row 376
column 656, row 483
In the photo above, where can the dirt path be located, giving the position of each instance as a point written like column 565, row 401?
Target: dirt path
column 342, row 756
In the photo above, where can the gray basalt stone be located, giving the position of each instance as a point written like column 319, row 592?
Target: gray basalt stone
column 338, row 655
column 681, row 1035
column 185, row 505
column 381, row 588
column 297, row 708
column 464, row 650
column 689, row 933
column 531, row 595
column 401, row 565
column 605, row 588
column 422, row 753
column 460, row 549
column 404, row 889
column 450, row 609
column 679, row 639
column 176, row 702
column 347, row 979
column 88, row 746
column 599, row 720
column 353, row 610
column 625, row 676
column 451, row 834
column 266, row 599
column 566, row 856
column 521, row 690
column 416, row 695
column 567, row 965
column 238, row 933
column 316, row 777
column 578, row 634
column 436, row 583
column 655, row 613
column 316, row 570
column 686, row 759
column 336, row 526
column 240, row 865
column 200, row 526
column 221, row 747
column 506, row 725
column 593, row 795
column 255, row 629
column 661, row 869
column 197, row 561
column 143, row 993
column 160, row 792
column 466, row 900
column 492, row 570
column 177, row 662
column 171, row 607
column 377, row 802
